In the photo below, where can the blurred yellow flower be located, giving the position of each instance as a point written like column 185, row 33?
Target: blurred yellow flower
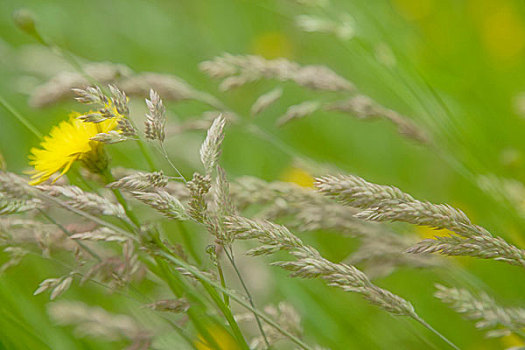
column 223, row 339
column 414, row 10
column 272, row 45
column 298, row 176
column 504, row 34
column 67, row 142
column 501, row 27
column 511, row 341
column 427, row 232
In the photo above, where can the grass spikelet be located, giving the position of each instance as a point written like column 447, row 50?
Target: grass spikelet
column 223, row 201
column 109, row 137
column 57, row 286
column 388, row 203
column 15, row 206
column 266, row 100
column 91, row 95
column 156, row 118
column 14, row 186
column 119, row 100
column 141, row 182
column 85, row 200
column 356, row 192
column 308, row 263
column 101, row 234
column 299, row 111
column 240, row 70
column 211, row 147
column 497, row 320
column 163, row 202
column 199, row 187
column 363, row 107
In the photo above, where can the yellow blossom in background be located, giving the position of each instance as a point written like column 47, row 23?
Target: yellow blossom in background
column 511, row 341
column 223, row 339
column 426, row 232
column 272, row 45
column 504, row 34
column 298, row 176
column 414, row 10
column 501, row 28
column 67, row 142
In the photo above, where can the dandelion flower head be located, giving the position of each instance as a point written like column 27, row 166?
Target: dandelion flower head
column 67, row 142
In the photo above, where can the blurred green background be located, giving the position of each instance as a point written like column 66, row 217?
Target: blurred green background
column 455, row 67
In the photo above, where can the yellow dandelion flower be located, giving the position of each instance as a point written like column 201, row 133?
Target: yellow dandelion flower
column 67, row 142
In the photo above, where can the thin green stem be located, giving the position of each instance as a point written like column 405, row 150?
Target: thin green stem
column 236, row 298
column 108, row 176
column 247, row 291
column 430, row 328
column 226, row 311
column 223, row 283
column 178, row 288
column 177, row 262
column 20, row 118
column 165, row 154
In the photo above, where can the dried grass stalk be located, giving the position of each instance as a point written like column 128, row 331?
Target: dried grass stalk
column 90, row 202
column 363, row 107
column 240, row 70
column 497, row 320
column 61, row 86
column 266, row 100
column 299, row 111
column 388, row 203
column 309, row 263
